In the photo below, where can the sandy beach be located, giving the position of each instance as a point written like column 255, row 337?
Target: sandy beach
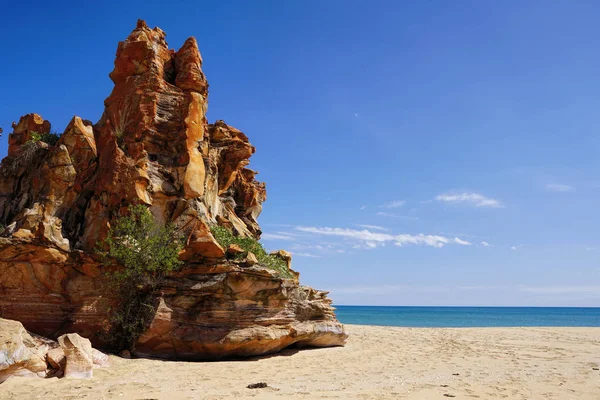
column 377, row 363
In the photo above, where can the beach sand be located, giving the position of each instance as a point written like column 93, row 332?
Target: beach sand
column 377, row 363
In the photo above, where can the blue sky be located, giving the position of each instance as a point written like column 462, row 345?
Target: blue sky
column 415, row 153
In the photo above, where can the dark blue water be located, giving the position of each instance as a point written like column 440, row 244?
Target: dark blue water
column 448, row 317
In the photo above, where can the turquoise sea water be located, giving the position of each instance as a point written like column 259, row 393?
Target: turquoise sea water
column 468, row 316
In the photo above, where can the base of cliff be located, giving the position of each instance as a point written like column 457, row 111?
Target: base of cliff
column 212, row 310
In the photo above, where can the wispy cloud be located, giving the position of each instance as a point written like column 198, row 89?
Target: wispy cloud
column 370, row 239
column 485, row 244
column 462, row 242
column 394, row 204
column 277, row 236
column 429, row 240
column 365, row 234
column 557, row 187
column 474, row 199
column 306, row 255
column 305, row 249
column 374, row 227
column 363, row 207
column 393, row 215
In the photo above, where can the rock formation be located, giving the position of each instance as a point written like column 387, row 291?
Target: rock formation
column 78, row 355
column 20, row 353
column 23, row 354
column 152, row 146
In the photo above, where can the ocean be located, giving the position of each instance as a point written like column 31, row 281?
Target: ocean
column 461, row 317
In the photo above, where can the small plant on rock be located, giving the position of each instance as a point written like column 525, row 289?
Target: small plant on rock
column 225, row 238
column 51, row 137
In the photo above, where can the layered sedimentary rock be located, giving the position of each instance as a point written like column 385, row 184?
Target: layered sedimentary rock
column 152, row 146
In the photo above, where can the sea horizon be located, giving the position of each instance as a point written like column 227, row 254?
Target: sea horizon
column 469, row 316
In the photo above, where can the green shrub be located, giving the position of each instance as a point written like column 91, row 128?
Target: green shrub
column 51, row 138
column 225, row 238
column 147, row 252
column 146, row 249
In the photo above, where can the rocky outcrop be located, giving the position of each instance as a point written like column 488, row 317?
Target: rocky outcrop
column 23, row 354
column 225, row 310
column 152, row 146
column 20, row 353
column 78, row 355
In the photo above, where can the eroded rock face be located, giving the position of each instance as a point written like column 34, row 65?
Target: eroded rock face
column 78, row 354
column 24, row 130
column 153, row 146
column 22, row 354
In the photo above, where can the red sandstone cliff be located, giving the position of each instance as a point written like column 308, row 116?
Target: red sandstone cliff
column 154, row 146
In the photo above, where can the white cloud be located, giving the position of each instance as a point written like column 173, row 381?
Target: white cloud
column 374, row 227
column 304, row 248
column 375, row 239
column 363, row 207
column 392, row 215
column 364, row 235
column 277, row 236
column 461, row 242
column 475, row 199
column 306, row 255
column 557, row 187
column 513, row 248
column 429, row 240
column 485, row 244
column 394, row 204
